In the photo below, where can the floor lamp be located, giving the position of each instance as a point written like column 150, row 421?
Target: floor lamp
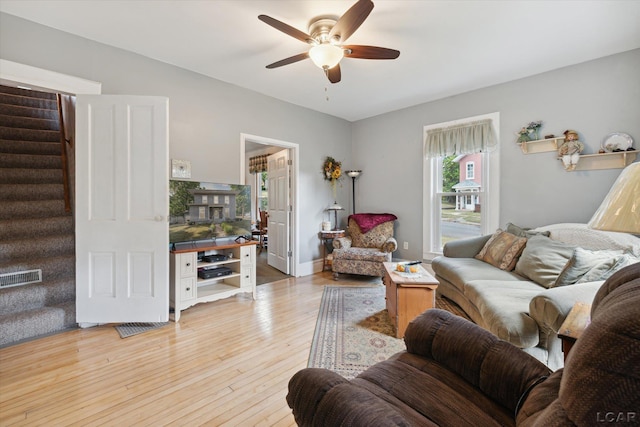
column 353, row 175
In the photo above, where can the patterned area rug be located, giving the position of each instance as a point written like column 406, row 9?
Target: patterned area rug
column 353, row 330
column 130, row 329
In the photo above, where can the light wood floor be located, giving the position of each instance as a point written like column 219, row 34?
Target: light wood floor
column 225, row 363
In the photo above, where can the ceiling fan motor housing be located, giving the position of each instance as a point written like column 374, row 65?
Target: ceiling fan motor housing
column 320, row 28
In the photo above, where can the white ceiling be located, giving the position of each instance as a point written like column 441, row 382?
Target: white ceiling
column 447, row 47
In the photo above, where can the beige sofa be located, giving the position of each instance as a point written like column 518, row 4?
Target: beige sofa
column 557, row 266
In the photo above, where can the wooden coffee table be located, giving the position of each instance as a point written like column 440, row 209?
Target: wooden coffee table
column 407, row 297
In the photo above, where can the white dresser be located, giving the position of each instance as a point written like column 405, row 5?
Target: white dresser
column 187, row 288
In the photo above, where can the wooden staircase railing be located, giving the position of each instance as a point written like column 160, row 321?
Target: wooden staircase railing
column 65, row 163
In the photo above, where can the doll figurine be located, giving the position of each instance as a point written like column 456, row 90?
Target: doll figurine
column 570, row 150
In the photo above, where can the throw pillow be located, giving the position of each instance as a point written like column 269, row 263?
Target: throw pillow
column 524, row 232
column 582, row 262
column 502, row 250
column 543, row 259
column 606, row 269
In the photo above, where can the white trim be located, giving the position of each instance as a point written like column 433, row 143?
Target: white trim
column 40, row 78
column 294, row 155
column 491, row 180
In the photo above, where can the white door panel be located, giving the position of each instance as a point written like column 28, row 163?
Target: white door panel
column 279, row 214
column 121, row 207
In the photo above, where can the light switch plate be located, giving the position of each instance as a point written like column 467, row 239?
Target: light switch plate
column 180, row 168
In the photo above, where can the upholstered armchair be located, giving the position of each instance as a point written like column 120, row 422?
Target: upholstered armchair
column 455, row 373
column 369, row 243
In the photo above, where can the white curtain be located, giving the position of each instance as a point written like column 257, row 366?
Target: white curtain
column 466, row 138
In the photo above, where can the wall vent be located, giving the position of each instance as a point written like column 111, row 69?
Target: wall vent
column 20, row 278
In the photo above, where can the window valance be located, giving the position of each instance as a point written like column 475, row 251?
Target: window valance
column 465, row 138
column 258, row 164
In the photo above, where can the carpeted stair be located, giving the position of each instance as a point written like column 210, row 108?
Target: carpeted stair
column 35, row 230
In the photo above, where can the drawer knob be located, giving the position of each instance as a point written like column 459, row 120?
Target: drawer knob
column 188, row 289
column 188, row 264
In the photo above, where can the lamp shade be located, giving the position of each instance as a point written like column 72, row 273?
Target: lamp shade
column 620, row 210
column 326, row 55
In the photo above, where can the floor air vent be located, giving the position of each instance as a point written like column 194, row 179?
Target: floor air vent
column 20, row 278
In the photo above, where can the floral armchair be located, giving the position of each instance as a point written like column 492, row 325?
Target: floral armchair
column 368, row 244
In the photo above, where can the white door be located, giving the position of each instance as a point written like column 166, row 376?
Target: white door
column 279, row 211
column 122, row 235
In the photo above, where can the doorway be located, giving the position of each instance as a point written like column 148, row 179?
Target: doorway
column 285, row 235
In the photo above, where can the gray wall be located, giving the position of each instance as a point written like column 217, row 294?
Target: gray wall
column 595, row 98
column 206, row 116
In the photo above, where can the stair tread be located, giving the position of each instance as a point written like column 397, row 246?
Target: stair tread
column 22, row 111
column 27, row 92
column 17, row 146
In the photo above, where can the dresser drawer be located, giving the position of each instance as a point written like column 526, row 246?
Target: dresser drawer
column 246, row 255
column 188, row 288
column 188, row 264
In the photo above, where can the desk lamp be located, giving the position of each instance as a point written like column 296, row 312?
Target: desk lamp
column 335, row 208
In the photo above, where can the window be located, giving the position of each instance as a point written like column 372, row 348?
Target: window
column 204, row 199
column 201, row 212
column 461, row 197
column 470, row 170
column 226, row 200
column 215, row 200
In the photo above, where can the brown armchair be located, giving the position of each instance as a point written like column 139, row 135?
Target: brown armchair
column 454, row 373
column 368, row 244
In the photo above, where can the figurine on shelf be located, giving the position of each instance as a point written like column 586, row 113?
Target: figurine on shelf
column 523, row 135
column 570, row 150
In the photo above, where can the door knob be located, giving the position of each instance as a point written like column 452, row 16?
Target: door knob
column 157, row 218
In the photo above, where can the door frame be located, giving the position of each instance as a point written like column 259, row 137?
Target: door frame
column 294, row 156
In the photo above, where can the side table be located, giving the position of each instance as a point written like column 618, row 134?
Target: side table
column 325, row 238
column 576, row 322
column 408, row 296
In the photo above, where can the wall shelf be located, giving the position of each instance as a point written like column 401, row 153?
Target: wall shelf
column 616, row 160
column 541, row 145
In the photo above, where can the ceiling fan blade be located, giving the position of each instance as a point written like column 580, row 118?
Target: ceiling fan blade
column 334, row 74
column 370, row 52
column 290, row 60
column 351, row 20
column 287, row 29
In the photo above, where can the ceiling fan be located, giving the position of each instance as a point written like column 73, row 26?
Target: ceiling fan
column 326, row 36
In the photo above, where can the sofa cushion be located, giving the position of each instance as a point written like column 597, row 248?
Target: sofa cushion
column 361, row 254
column 543, row 259
column 595, row 264
column 459, row 271
column 431, row 393
column 580, row 235
column 524, row 232
column 502, row 250
column 374, row 238
column 505, row 309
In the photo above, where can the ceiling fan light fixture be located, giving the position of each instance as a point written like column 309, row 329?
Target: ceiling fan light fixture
column 326, row 55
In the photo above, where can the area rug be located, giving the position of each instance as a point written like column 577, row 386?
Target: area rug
column 354, row 331
column 130, row 329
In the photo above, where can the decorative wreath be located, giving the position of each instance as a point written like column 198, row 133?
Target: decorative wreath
column 332, row 170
